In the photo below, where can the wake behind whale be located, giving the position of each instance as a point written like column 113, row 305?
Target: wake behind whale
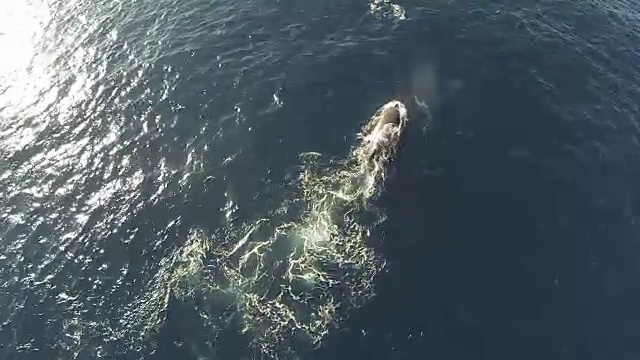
column 285, row 284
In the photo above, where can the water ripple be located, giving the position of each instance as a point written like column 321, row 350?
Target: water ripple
column 118, row 118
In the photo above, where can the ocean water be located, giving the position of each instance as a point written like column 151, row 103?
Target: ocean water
column 154, row 203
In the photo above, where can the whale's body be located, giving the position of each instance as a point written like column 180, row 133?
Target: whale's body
column 381, row 136
column 378, row 143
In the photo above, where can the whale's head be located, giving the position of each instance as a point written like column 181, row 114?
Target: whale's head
column 381, row 136
column 394, row 112
column 387, row 124
column 380, row 139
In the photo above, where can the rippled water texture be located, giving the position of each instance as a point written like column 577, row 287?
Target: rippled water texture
column 118, row 121
column 139, row 138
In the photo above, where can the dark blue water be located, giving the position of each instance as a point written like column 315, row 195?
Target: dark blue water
column 510, row 231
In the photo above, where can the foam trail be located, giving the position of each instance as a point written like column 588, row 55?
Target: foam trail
column 287, row 284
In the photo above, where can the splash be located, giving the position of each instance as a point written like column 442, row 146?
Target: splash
column 285, row 284
column 387, row 9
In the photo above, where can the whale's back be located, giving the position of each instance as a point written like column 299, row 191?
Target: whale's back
column 381, row 138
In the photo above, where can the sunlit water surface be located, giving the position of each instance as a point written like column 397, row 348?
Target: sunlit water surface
column 154, row 203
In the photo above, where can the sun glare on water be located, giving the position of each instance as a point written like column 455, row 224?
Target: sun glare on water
column 43, row 71
column 21, row 24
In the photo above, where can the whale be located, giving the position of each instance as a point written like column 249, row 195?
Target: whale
column 380, row 138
